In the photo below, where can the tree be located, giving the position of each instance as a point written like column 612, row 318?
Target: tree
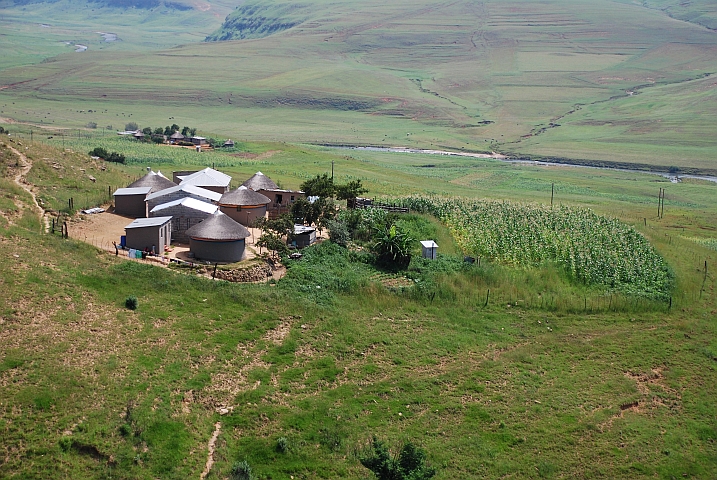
column 350, row 190
column 131, row 127
column 159, row 131
column 192, row 132
column 319, row 186
column 147, row 130
column 185, row 130
column 174, row 128
column 409, row 464
column 392, row 246
column 99, row 152
column 273, row 241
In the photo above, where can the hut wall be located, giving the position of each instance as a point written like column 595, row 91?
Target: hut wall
column 245, row 216
column 170, row 197
column 305, row 239
column 146, row 237
column 182, row 219
column 222, row 252
column 131, row 205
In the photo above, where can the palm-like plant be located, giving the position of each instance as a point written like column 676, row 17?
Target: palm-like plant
column 392, row 246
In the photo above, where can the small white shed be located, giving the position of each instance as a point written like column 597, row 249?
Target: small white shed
column 429, row 249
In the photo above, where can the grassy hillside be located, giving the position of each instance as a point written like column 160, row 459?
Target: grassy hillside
column 518, row 388
column 591, row 80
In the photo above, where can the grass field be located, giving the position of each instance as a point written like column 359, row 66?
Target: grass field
column 516, row 388
column 526, row 78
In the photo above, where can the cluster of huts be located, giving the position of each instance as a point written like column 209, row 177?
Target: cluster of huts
column 200, row 208
column 177, row 138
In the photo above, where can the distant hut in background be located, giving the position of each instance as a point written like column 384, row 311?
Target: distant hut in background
column 149, row 233
column 185, row 213
column 175, row 138
column 138, row 135
column 218, row 239
column 228, row 144
column 199, row 141
column 244, row 205
column 179, row 192
column 208, row 178
column 131, row 201
column 280, row 200
column 155, row 180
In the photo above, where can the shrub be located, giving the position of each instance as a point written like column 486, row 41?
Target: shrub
column 409, row 464
column 99, row 152
column 131, row 302
column 338, row 232
column 241, row 471
column 131, row 127
column 91, row 125
column 282, row 445
column 392, row 247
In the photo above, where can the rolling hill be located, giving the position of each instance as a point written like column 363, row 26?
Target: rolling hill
column 601, row 80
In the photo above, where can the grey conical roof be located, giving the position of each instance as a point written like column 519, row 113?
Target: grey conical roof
column 177, row 136
column 155, row 180
column 218, row 227
column 259, row 181
column 243, row 196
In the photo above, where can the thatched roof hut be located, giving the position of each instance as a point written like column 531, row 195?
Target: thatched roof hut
column 259, row 181
column 244, row 205
column 155, row 180
column 218, row 239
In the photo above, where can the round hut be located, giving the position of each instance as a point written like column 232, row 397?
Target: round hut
column 176, row 137
column 244, row 205
column 259, row 181
column 155, row 180
column 218, row 239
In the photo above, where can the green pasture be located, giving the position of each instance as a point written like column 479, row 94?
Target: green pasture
column 550, row 379
column 526, row 78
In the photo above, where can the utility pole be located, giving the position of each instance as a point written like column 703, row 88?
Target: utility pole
column 332, row 170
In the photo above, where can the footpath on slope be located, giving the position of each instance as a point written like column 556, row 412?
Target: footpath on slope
column 19, row 179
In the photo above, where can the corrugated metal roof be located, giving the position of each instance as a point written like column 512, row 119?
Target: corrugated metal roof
column 207, row 177
column 148, row 222
column 188, row 202
column 132, row 191
column 299, row 229
column 199, row 191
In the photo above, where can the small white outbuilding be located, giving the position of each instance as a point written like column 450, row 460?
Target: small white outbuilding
column 429, row 249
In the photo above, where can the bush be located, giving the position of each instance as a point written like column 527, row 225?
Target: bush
column 338, row 232
column 241, row 471
column 282, row 445
column 91, row 125
column 392, row 247
column 131, row 127
column 99, row 152
column 131, row 302
column 409, row 464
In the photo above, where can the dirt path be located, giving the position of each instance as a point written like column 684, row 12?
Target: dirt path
column 20, row 181
column 210, row 451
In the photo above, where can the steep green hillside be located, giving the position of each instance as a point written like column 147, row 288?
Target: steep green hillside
column 496, row 371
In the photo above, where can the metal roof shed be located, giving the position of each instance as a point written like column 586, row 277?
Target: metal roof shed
column 146, row 233
column 130, row 201
column 429, row 249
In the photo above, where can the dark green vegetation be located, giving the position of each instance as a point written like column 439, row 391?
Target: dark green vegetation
column 602, row 81
column 570, row 386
